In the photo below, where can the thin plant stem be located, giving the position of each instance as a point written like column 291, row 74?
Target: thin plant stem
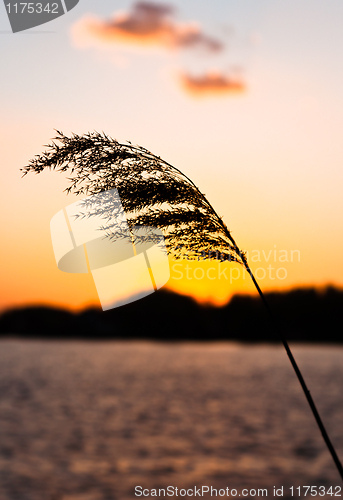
column 298, row 373
column 279, row 330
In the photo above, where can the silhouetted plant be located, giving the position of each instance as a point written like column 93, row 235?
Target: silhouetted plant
column 154, row 193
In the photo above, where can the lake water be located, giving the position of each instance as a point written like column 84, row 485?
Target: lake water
column 90, row 421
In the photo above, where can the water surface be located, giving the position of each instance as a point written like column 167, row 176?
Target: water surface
column 91, row 420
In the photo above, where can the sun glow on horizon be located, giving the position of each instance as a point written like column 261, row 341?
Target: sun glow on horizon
column 269, row 158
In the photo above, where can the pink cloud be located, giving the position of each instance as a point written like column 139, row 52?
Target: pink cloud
column 145, row 24
column 211, row 83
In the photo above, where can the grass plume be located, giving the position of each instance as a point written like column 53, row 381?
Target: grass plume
column 154, row 193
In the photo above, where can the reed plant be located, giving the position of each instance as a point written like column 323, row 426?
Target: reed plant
column 155, row 193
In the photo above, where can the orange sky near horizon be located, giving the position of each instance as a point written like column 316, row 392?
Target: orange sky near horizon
column 268, row 159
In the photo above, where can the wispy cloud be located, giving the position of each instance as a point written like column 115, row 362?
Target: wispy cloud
column 148, row 24
column 145, row 24
column 211, row 83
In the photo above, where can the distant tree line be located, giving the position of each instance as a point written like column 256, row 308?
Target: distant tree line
column 309, row 315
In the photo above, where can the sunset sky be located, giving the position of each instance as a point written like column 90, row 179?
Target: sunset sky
column 245, row 97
